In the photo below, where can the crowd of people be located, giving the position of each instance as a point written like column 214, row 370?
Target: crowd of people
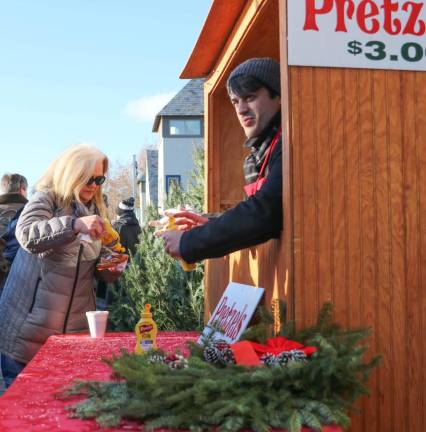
column 50, row 244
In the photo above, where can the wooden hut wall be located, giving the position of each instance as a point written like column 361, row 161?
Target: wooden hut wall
column 359, row 182
column 355, row 227
column 258, row 26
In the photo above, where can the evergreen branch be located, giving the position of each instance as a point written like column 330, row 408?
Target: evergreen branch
column 203, row 396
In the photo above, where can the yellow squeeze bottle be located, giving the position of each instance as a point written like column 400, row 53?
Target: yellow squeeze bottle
column 146, row 331
column 186, row 266
column 110, row 238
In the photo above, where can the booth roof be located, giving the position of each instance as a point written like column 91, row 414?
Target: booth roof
column 218, row 26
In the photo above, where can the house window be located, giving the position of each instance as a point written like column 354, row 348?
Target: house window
column 172, row 179
column 184, row 127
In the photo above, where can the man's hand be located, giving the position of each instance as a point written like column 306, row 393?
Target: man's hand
column 186, row 220
column 171, row 242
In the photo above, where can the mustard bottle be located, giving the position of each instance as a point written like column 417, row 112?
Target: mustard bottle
column 146, row 331
column 110, row 238
column 185, row 266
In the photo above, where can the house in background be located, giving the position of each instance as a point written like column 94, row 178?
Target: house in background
column 147, row 182
column 151, row 177
column 180, row 125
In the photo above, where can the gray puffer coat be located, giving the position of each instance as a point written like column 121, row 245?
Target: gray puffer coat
column 51, row 283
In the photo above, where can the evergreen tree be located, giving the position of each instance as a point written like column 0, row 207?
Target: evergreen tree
column 195, row 190
column 176, row 297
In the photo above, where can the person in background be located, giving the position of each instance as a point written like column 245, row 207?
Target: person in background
column 13, row 190
column 254, row 91
column 51, row 283
column 127, row 225
column 13, row 197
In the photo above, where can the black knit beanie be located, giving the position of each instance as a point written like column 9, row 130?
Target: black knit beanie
column 265, row 69
column 126, row 205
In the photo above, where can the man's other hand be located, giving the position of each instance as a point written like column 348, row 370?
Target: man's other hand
column 171, row 242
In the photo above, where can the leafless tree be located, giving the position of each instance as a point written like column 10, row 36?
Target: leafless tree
column 118, row 185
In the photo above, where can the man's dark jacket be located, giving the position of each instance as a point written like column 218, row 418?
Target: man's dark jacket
column 128, row 227
column 251, row 222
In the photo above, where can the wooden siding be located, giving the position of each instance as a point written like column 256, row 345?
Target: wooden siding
column 354, row 172
column 359, row 188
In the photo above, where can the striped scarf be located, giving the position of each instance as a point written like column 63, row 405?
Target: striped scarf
column 258, row 149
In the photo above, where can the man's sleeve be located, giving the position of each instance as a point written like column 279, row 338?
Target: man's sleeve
column 251, row 222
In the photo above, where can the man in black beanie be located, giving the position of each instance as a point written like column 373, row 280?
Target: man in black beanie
column 127, row 225
column 254, row 91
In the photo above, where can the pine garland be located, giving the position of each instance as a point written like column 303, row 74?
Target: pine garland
column 203, row 395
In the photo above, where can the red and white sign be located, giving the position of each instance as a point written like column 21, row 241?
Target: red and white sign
column 233, row 312
column 371, row 34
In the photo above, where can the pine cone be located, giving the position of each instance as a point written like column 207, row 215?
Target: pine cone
column 269, row 360
column 298, row 355
column 211, row 354
column 227, row 356
column 284, row 357
column 156, row 358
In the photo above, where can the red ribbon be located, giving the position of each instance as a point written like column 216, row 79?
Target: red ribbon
column 249, row 353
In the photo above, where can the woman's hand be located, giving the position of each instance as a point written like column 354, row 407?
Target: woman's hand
column 92, row 225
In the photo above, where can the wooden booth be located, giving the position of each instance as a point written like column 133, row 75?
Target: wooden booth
column 354, row 183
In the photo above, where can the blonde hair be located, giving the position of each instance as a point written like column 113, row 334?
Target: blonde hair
column 70, row 172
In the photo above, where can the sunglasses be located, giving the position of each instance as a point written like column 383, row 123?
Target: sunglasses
column 97, row 180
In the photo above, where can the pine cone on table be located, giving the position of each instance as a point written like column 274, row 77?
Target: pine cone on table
column 269, row 360
column 298, row 356
column 211, row 354
column 227, row 356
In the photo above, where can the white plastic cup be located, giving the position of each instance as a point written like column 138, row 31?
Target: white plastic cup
column 97, row 323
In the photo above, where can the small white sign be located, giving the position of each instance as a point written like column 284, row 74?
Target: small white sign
column 233, row 312
column 370, row 34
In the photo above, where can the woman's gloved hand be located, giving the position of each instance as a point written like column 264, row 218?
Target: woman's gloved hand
column 93, row 225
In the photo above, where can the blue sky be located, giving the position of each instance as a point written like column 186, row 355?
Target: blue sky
column 88, row 71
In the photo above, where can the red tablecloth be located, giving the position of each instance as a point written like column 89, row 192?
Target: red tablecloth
column 30, row 403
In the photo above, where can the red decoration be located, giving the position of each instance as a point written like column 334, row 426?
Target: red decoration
column 248, row 353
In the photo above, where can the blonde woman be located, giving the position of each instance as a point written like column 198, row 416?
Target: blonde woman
column 51, row 284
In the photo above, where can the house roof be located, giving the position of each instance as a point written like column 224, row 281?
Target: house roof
column 188, row 102
column 218, row 26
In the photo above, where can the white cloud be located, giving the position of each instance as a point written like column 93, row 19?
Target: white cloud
column 147, row 107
